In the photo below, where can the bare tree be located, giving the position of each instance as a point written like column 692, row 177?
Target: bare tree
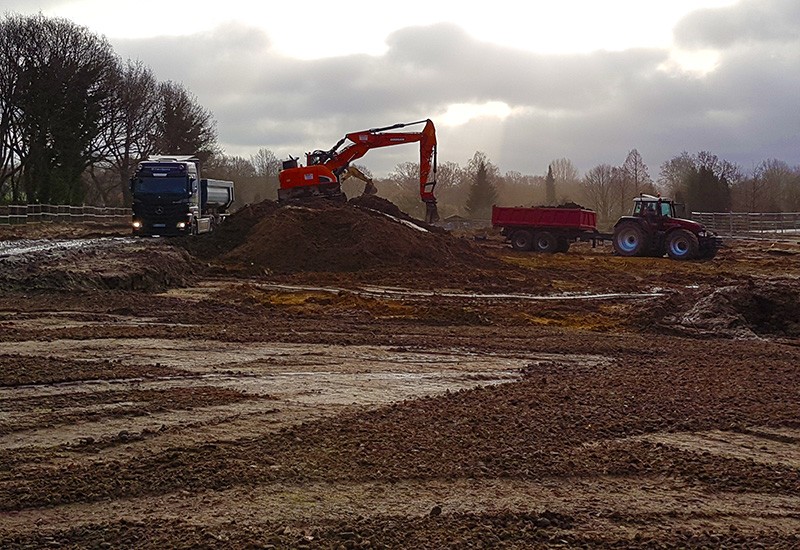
column 402, row 188
column 59, row 80
column 598, row 189
column 449, row 191
column 775, row 181
column 11, row 144
column 129, row 136
column 564, row 171
column 635, row 170
column 674, row 174
column 567, row 179
column 267, row 167
column 183, row 126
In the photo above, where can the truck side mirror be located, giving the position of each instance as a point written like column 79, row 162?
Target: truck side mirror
column 192, row 186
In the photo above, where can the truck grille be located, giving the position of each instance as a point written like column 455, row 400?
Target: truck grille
column 163, row 210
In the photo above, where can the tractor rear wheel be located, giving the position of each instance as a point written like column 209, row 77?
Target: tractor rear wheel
column 630, row 239
column 682, row 245
column 546, row 242
column 522, row 240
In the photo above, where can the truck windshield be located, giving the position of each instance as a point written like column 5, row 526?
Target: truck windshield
column 163, row 186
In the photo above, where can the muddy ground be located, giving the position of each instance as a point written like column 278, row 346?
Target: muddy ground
column 372, row 385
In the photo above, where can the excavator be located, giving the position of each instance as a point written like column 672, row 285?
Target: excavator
column 325, row 170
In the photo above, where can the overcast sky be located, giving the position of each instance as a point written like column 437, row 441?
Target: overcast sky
column 524, row 82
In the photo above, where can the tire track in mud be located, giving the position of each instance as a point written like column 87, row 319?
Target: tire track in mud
column 274, row 384
column 616, row 507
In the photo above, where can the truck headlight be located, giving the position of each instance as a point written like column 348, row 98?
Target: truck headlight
column 181, row 225
column 137, row 225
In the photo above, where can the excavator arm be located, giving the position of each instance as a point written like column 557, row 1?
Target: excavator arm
column 338, row 161
column 354, row 172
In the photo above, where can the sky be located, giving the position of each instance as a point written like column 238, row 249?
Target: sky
column 523, row 82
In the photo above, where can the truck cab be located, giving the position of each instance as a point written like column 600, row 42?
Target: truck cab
column 169, row 198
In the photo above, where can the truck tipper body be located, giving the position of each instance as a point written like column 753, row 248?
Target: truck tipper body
column 170, row 198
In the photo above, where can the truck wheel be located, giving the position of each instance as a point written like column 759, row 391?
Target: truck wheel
column 522, row 240
column 630, row 239
column 563, row 244
column 682, row 245
column 546, row 242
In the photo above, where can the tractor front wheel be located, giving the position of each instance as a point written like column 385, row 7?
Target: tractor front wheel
column 682, row 245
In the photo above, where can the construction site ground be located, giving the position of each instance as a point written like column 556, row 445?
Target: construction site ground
column 289, row 383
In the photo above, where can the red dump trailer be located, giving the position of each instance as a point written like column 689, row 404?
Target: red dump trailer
column 652, row 229
column 546, row 229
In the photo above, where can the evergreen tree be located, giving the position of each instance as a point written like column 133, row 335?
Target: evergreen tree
column 550, row 187
column 707, row 191
column 482, row 194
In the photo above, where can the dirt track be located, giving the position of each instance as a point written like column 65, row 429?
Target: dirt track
column 150, row 400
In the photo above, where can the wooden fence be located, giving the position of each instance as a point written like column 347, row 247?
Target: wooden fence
column 49, row 213
column 753, row 225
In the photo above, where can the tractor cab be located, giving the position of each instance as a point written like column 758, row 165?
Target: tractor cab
column 650, row 206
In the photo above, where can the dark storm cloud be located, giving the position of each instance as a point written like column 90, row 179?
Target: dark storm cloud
column 747, row 21
column 591, row 108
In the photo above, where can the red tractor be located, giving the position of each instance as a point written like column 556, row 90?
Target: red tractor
column 324, row 171
column 654, row 230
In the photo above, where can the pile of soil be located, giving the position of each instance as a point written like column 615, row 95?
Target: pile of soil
column 364, row 234
column 752, row 309
column 95, row 264
column 374, row 202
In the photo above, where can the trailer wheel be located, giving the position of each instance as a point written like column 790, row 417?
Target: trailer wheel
column 630, row 239
column 522, row 240
column 546, row 242
column 682, row 245
column 563, row 244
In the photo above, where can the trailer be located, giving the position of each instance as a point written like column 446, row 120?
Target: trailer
column 652, row 229
column 546, row 229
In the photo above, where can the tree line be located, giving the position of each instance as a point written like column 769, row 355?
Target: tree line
column 75, row 119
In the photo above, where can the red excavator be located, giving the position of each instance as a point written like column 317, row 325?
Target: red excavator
column 324, row 171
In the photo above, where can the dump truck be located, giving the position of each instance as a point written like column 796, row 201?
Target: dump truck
column 652, row 229
column 170, row 198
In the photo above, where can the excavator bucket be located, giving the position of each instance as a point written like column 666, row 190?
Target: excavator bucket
column 431, row 212
column 369, row 188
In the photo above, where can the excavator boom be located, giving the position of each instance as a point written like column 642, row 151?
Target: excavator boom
column 325, row 169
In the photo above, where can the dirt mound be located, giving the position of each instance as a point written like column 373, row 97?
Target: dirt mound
column 374, row 202
column 367, row 233
column 749, row 310
column 231, row 233
column 94, row 264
